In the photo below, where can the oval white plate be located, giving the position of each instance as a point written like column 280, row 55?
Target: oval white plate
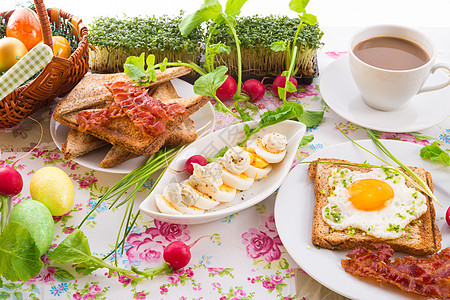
column 340, row 92
column 294, row 208
column 210, row 146
column 204, row 119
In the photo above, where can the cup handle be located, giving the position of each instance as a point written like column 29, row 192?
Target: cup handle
column 437, row 86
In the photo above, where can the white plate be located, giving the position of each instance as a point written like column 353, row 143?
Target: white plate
column 204, row 119
column 210, row 146
column 294, row 211
column 340, row 92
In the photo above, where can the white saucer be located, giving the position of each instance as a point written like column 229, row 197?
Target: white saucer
column 341, row 94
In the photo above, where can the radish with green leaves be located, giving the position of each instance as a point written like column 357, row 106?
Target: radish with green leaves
column 280, row 82
column 227, row 90
column 177, row 254
column 11, row 184
column 254, row 89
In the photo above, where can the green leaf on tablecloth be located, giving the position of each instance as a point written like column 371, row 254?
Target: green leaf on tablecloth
column 18, row 296
column 279, row 287
column 74, row 248
column 311, row 118
column 283, row 264
column 306, row 139
column 4, row 295
column 226, row 271
column 19, row 255
column 261, row 209
column 434, row 153
column 63, row 275
column 216, row 239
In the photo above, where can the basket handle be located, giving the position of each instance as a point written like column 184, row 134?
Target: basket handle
column 45, row 23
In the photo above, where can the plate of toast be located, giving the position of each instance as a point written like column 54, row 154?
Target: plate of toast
column 311, row 215
column 119, row 146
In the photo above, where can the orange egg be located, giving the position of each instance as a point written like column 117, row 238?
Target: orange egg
column 370, row 194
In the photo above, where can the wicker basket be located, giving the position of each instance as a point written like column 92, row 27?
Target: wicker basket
column 56, row 79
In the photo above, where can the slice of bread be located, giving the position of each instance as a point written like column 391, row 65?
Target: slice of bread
column 422, row 238
column 79, row 143
column 119, row 131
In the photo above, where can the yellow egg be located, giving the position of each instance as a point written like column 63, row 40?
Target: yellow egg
column 258, row 173
column 11, row 51
column 240, row 182
column 52, row 187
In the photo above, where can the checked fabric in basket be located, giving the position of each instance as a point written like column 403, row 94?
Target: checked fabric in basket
column 32, row 62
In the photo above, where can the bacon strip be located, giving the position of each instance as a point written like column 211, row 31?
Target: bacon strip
column 429, row 276
column 148, row 114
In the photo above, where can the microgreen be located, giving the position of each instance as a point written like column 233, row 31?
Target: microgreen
column 434, row 153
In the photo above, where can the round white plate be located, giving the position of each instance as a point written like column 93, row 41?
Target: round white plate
column 294, row 207
column 210, row 146
column 204, row 119
column 340, row 92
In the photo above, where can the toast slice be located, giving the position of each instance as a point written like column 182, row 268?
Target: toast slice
column 79, row 143
column 423, row 236
column 119, row 131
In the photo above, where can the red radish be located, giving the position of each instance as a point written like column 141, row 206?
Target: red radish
column 280, row 81
column 227, row 90
column 11, row 182
column 178, row 254
column 197, row 159
column 254, row 89
column 447, row 216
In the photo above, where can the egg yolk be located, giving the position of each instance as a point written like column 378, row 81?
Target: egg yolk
column 370, row 194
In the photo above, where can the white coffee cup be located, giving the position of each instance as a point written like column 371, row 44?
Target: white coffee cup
column 389, row 90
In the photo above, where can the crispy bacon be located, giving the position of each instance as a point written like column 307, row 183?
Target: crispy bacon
column 428, row 276
column 148, row 114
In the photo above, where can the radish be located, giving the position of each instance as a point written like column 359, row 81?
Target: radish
column 11, row 184
column 194, row 159
column 447, row 216
column 280, row 81
column 227, row 90
column 177, row 254
column 254, row 89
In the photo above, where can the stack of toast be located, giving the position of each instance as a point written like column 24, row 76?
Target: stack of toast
column 423, row 236
column 127, row 141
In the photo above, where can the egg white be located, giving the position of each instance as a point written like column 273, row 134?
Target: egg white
column 387, row 223
column 167, row 207
column 261, row 151
column 204, row 201
column 258, row 173
column 240, row 182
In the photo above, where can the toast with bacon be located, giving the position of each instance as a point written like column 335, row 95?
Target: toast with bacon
column 422, row 236
column 97, row 95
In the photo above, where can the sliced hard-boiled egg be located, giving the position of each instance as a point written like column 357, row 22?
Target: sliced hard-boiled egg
column 225, row 193
column 257, row 173
column 167, row 207
column 268, row 155
column 256, row 161
column 240, row 182
column 203, row 200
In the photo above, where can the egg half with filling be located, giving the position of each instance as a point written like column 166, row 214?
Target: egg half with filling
column 271, row 147
column 377, row 202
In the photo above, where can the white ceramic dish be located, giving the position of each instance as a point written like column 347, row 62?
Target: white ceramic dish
column 340, row 92
column 294, row 212
column 211, row 145
column 204, row 121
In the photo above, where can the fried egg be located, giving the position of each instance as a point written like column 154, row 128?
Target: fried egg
column 377, row 202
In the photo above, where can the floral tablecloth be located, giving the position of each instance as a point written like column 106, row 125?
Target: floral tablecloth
column 242, row 256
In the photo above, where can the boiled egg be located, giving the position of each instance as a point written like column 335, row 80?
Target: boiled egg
column 203, row 201
column 177, row 200
column 240, row 182
column 167, row 207
column 271, row 148
column 257, row 173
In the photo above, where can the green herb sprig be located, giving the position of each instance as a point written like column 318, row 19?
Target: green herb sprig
column 134, row 180
column 75, row 248
column 434, row 153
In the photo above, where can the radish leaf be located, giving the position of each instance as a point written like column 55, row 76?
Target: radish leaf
column 434, row 153
column 209, row 83
column 19, row 255
column 209, row 10
column 233, row 7
column 311, row 118
column 74, row 248
column 299, row 6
